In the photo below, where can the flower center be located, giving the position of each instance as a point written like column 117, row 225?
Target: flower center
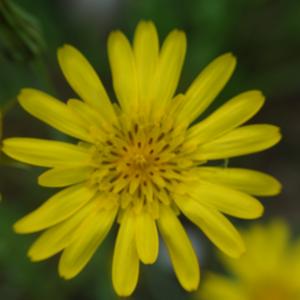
column 139, row 160
column 141, row 163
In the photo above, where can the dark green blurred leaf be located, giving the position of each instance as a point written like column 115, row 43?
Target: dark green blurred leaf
column 4, row 160
column 21, row 38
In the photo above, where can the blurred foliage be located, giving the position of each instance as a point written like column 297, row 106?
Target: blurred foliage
column 263, row 34
column 20, row 33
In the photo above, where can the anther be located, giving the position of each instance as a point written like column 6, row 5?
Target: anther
column 130, row 135
column 165, row 147
column 160, row 137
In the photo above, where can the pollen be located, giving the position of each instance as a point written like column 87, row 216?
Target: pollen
column 140, row 164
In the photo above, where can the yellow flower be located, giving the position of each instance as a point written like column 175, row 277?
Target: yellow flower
column 269, row 270
column 141, row 161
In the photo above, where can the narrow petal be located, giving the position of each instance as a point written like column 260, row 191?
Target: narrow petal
column 206, row 87
column 227, row 200
column 85, row 81
column 60, row 236
column 217, row 228
column 169, row 68
column 229, row 116
column 180, row 249
column 54, row 113
column 45, row 153
column 248, row 181
column 58, row 208
column 146, row 237
column 146, row 50
column 122, row 64
column 88, row 238
column 91, row 117
column 125, row 268
column 64, row 176
column 241, row 141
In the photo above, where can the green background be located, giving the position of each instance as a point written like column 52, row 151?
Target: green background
column 263, row 34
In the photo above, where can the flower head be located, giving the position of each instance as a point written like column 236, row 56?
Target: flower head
column 142, row 161
column 269, row 270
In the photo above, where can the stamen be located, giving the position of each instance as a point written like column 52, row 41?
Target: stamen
column 161, row 136
column 139, row 166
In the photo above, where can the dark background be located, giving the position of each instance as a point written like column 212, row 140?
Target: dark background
column 263, row 34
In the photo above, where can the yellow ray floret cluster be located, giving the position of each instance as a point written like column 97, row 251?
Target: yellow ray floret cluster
column 269, row 270
column 142, row 161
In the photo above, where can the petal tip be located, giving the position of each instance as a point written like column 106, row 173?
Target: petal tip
column 65, row 47
column 148, row 260
column 229, row 59
column 24, row 94
column 277, row 187
column 193, row 284
column 18, row 227
column 33, row 256
column 260, row 211
column 63, row 51
column 64, row 274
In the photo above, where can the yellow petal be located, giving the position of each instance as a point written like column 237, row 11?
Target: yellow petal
column 85, row 81
column 45, row 153
column 168, row 72
column 91, row 117
column 220, row 288
column 180, row 249
column 146, row 49
column 241, row 141
column 217, row 228
column 266, row 250
column 277, row 236
column 63, row 176
column 248, row 181
column 58, row 208
column 206, row 87
column 229, row 116
column 53, row 112
column 125, row 268
column 227, row 200
column 58, row 237
column 122, row 64
column 146, row 237
column 88, row 238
